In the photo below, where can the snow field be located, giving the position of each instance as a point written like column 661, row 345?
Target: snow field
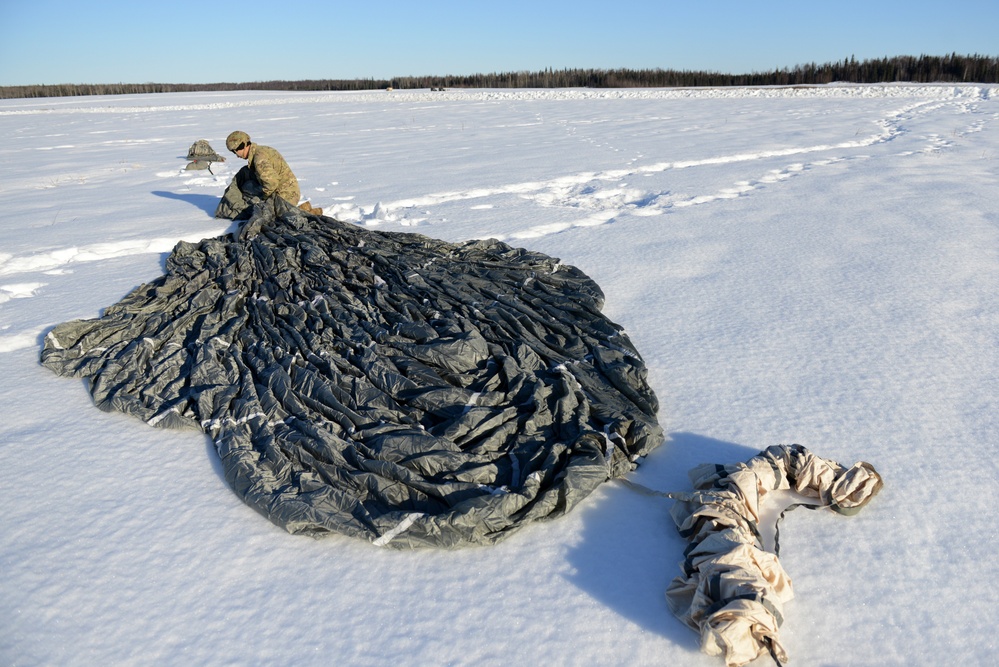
column 813, row 265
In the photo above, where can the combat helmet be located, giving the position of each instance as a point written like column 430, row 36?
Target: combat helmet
column 236, row 139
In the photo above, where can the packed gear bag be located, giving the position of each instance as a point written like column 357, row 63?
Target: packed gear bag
column 201, row 155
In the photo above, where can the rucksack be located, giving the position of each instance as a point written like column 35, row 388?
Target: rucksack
column 201, row 155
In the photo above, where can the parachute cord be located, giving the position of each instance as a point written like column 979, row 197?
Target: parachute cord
column 773, row 654
column 790, row 508
column 646, row 491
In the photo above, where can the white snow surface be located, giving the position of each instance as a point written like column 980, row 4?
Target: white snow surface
column 814, row 265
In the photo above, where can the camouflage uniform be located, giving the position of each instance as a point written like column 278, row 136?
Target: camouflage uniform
column 273, row 173
column 265, row 175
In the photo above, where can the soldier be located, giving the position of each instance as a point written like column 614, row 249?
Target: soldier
column 265, row 175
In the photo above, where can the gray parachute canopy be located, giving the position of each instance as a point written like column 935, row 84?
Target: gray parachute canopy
column 387, row 386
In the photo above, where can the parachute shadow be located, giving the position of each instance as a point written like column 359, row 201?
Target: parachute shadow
column 630, row 549
column 207, row 203
column 213, row 458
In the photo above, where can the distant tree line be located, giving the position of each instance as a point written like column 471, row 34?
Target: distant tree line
column 921, row 69
column 71, row 89
column 914, row 69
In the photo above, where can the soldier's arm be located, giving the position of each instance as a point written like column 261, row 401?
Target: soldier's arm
column 266, row 174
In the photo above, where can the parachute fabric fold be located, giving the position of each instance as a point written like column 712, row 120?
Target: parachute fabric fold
column 388, row 386
column 732, row 592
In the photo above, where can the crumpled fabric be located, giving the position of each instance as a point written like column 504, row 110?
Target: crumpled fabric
column 387, row 386
column 732, row 591
column 241, row 197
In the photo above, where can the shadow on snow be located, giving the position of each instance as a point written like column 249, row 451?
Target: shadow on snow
column 207, row 203
column 630, row 549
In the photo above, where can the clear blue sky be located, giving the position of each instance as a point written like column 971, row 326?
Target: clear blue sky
column 179, row 41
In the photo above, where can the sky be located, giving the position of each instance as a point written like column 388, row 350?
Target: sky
column 60, row 41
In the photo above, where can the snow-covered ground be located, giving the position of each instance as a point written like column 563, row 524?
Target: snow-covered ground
column 811, row 265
